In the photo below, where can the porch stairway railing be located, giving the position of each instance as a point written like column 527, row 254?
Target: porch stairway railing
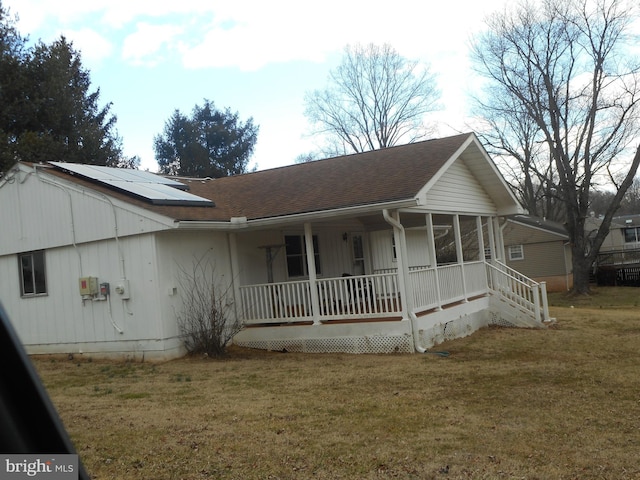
column 519, row 292
column 378, row 296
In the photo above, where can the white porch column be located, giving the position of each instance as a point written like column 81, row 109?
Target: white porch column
column 311, row 265
column 500, row 253
column 492, row 238
column 238, row 308
column 432, row 256
column 404, row 285
column 480, row 238
column 459, row 252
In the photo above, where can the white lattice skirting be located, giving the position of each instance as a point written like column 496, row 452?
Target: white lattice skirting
column 377, row 344
column 379, row 337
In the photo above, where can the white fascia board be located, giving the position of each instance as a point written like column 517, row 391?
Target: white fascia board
column 238, row 223
column 512, row 210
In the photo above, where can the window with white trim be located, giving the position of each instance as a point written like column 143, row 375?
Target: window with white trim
column 516, row 252
column 296, row 251
column 33, row 280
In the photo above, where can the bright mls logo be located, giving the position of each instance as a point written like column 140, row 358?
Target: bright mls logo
column 50, row 467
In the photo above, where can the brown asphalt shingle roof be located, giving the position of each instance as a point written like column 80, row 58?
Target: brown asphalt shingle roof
column 391, row 174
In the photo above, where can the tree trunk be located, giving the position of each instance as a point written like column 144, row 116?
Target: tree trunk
column 581, row 271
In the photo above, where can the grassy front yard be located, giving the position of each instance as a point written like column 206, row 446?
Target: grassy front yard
column 559, row 403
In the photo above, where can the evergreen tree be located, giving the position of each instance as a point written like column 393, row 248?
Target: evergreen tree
column 47, row 108
column 210, row 143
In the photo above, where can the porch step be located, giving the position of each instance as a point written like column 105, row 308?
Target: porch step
column 508, row 313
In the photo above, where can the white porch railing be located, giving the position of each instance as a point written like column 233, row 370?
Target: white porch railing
column 518, row 290
column 456, row 282
column 378, row 295
column 368, row 295
column 364, row 296
column 276, row 301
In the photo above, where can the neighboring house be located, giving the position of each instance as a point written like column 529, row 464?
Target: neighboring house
column 624, row 232
column 618, row 261
column 362, row 253
column 539, row 249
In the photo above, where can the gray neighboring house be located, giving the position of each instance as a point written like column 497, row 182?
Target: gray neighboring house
column 618, row 261
column 539, row 249
column 624, row 233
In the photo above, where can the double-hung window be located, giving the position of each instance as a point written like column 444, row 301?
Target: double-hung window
column 297, row 265
column 33, row 279
column 516, row 252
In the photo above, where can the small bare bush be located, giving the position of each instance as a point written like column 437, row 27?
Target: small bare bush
column 207, row 320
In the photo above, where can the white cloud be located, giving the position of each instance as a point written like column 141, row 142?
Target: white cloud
column 144, row 45
column 249, row 34
column 94, row 46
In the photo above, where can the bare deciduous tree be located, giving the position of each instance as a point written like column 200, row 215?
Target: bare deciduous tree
column 566, row 65
column 207, row 321
column 375, row 99
column 515, row 143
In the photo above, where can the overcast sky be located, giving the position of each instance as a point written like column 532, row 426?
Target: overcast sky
column 257, row 58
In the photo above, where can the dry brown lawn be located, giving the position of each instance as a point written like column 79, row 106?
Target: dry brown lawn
column 558, row 403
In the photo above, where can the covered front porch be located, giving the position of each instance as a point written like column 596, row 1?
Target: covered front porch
column 408, row 280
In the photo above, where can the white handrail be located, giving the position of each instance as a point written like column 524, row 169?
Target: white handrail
column 518, row 289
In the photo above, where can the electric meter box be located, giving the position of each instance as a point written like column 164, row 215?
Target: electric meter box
column 122, row 289
column 88, row 286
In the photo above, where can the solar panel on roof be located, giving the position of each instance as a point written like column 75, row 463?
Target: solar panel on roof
column 154, row 188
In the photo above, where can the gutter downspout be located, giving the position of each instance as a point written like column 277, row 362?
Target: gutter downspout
column 311, row 263
column 403, row 277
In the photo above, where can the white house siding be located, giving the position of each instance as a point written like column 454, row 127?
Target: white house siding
column 40, row 211
column 336, row 255
column 417, row 251
column 459, row 191
column 382, row 249
column 61, row 322
column 335, row 252
column 252, row 261
column 177, row 255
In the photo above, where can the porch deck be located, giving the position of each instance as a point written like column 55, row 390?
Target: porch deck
column 359, row 308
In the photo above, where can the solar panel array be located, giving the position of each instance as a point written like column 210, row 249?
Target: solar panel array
column 146, row 185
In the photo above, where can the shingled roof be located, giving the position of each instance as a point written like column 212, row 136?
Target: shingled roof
column 371, row 178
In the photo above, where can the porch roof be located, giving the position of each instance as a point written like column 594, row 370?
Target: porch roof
column 394, row 174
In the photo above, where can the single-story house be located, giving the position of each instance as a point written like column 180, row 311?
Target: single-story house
column 382, row 251
column 540, row 249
